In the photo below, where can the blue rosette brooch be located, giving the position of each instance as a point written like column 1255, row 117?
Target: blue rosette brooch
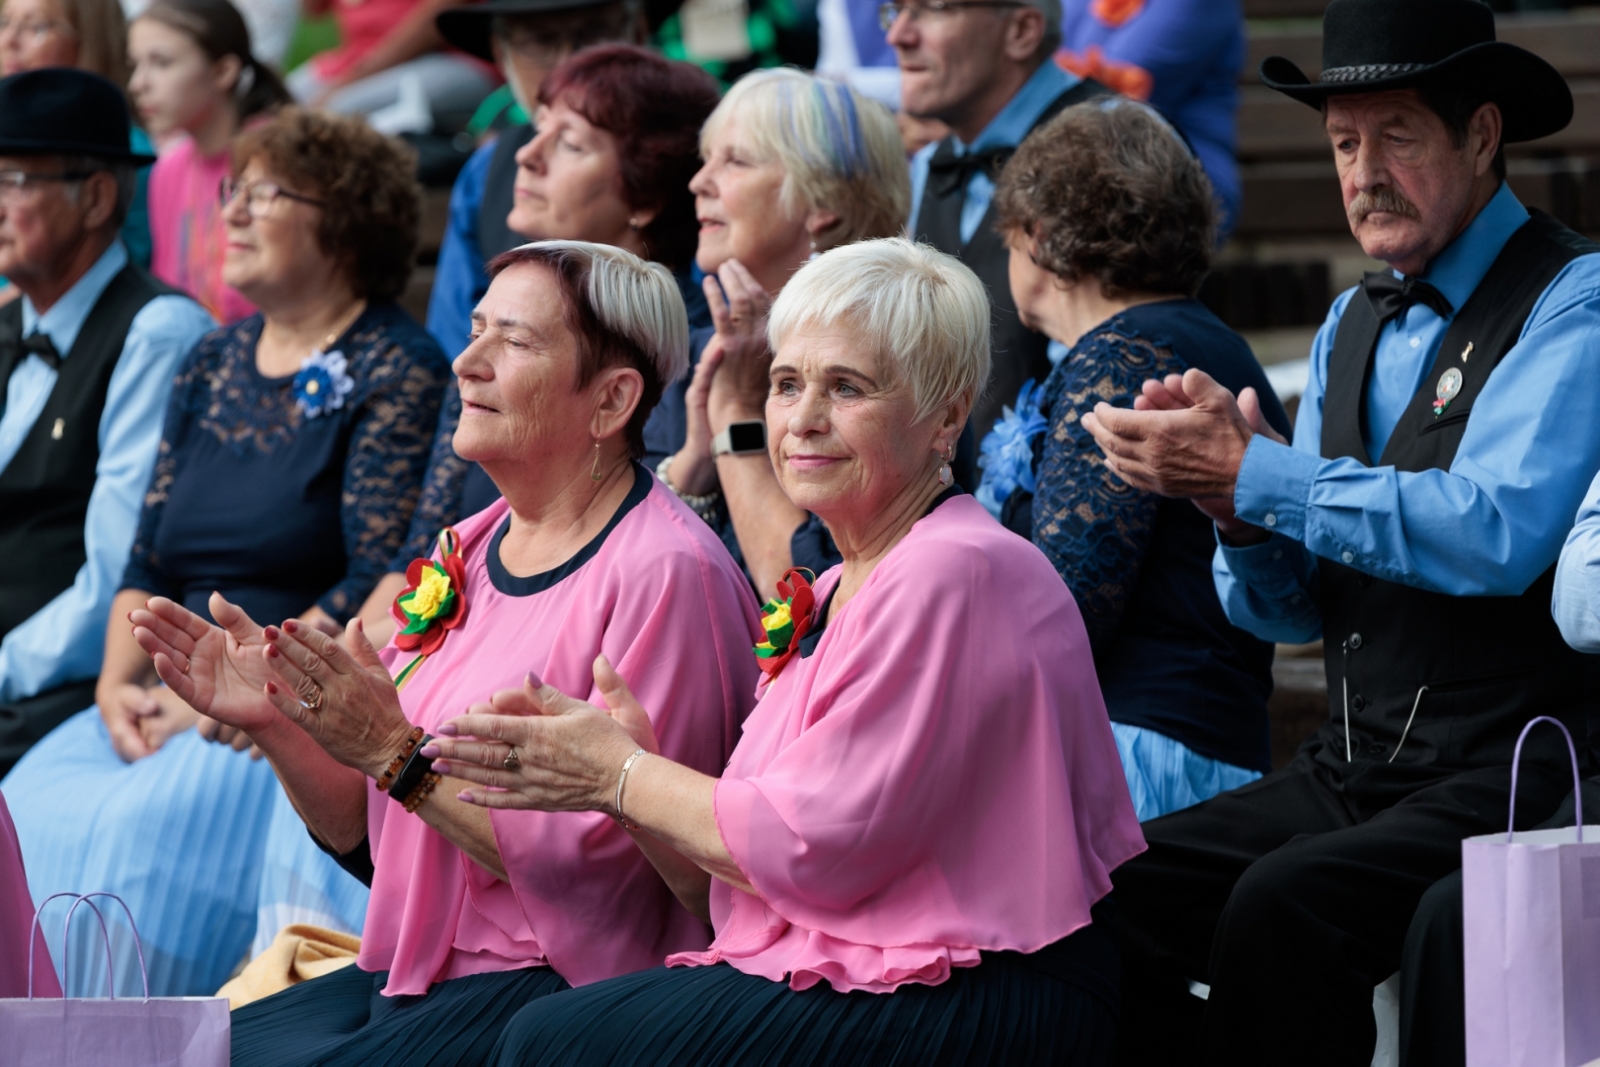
column 322, row 383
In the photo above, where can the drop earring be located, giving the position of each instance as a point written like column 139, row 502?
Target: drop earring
column 814, row 252
column 946, row 475
column 595, row 475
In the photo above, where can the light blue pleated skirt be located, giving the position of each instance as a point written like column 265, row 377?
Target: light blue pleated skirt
column 178, row 835
column 1165, row 776
column 198, row 839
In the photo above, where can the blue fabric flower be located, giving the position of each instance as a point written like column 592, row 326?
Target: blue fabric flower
column 322, row 383
column 1006, row 455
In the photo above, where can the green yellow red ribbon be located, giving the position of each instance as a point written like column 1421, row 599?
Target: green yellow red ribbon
column 433, row 603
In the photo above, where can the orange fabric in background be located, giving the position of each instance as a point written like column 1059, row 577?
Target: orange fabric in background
column 1125, row 78
column 1115, row 12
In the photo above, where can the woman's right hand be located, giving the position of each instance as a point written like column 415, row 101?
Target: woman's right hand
column 217, row 670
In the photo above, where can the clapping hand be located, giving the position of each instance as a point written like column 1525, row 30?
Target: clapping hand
column 216, row 669
column 537, row 748
column 739, row 310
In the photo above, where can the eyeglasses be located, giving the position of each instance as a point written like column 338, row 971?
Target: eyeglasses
column 889, row 12
column 14, row 182
column 34, row 28
column 259, row 196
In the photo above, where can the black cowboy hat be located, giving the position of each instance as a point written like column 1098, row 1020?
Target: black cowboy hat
column 60, row 111
column 1372, row 46
column 470, row 26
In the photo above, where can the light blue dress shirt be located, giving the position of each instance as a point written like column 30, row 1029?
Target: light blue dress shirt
column 1488, row 526
column 1576, row 600
column 64, row 641
column 459, row 281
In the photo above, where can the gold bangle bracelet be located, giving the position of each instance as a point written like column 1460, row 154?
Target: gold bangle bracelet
column 622, row 780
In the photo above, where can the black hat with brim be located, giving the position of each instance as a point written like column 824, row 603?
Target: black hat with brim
column 471, row 26
column 61, row 111
column 1375, row 46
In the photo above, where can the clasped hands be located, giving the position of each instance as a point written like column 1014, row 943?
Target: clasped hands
column 730, row 382
column 1185, row 436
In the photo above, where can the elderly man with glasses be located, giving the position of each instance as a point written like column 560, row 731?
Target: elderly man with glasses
column 981, row 67
column 87, row 355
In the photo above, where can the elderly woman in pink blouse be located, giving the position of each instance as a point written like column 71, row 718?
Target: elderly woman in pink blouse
column 475, row 912
column 903, row 859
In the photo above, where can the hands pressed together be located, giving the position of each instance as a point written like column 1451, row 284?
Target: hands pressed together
column 1186, row 436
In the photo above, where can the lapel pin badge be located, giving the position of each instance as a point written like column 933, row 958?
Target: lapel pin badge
column 1448, row 389
column 1465, row 352
column 59, row 430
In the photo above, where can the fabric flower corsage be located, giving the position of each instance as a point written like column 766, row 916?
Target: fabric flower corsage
column 785, row 620
column 322, row 383
column 1007, row 453
column 433, row 603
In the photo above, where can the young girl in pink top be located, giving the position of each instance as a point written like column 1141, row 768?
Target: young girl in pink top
column 905, row 857
column 195, row 82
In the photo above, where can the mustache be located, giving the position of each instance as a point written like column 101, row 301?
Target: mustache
column 1388, row 200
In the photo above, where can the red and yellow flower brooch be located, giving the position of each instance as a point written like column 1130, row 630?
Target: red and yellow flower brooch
column 433, row 603
column 785, row 620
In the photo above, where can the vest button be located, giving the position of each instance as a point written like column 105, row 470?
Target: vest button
column 1358, row 702
column 1364, row 581
column 1355, row 641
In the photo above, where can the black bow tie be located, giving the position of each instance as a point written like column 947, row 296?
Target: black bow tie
column 1389, row 296
column 40, row 345
column 949, row 173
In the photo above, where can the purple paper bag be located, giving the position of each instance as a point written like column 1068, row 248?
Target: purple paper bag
column 147, row 1032
column 1531, row 923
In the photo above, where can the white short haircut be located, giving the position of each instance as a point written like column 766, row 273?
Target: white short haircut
column 923, row 309
column 629, row 296
column 1051, row 10
column 840, row 151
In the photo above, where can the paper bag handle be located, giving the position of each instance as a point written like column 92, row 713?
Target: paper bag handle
column 1516, row 759
column 66, row 963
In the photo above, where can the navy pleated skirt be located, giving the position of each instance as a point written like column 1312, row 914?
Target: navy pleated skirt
column 342, row 1020
column 1006, row 1012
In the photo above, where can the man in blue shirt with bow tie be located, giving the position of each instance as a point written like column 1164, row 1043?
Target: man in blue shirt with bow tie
column 1442, row 448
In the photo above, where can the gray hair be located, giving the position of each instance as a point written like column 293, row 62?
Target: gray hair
column 923, row 309
column 840, row 150
column 1051, row 10
column 125, row 174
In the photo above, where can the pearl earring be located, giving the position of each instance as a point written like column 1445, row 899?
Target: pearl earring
column 946, row 475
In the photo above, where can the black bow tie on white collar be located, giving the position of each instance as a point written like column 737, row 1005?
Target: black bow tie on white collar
column 1389, row 296
column 950, row 173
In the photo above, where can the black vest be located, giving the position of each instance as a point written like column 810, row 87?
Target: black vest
column 1019, row 353
column 494, row 236
column 1474, row 669
column 44, row 490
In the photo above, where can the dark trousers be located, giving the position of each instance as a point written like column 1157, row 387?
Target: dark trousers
column 1433, row 1024
column 1291, row 898
column 23, row 723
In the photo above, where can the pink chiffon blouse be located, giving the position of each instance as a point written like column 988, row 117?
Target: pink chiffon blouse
column 938, row 778
column 658, row 594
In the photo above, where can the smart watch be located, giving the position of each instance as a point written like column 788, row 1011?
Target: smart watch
column 740, row 439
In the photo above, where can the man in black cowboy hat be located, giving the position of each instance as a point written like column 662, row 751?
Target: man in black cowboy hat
column 526, row 39
column 1444, row 442
column 87, row 356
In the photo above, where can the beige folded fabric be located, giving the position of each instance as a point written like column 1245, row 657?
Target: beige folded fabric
column 296, row 954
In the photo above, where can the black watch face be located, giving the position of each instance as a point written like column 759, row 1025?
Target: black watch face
column 747, row 437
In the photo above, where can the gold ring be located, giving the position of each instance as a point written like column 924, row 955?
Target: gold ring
column 511, row 762
column 315, row 703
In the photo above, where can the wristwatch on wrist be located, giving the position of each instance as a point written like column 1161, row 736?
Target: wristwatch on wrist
column 740, row 439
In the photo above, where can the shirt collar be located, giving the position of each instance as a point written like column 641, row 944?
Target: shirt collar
column 67, row 315
column 1021, row 113
column 1457, row 270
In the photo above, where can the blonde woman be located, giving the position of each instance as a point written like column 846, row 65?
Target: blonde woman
column 794, row 166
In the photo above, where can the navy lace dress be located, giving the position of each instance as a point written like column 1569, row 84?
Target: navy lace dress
column 279, row 510
column 1186, row 690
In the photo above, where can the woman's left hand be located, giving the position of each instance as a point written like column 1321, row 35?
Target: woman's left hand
column 344, row 699
column 739, row 310
column 568, row 753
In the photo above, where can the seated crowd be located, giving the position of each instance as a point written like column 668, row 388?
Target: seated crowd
column 883, row 553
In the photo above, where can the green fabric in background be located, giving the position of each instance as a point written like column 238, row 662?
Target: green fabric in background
column 311, row 36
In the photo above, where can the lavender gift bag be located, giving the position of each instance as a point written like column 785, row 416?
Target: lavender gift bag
column 1532, row 940
column 148, row 1032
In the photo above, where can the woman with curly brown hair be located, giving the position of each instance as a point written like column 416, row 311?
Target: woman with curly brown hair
column 291, row 457
column 1111, row 224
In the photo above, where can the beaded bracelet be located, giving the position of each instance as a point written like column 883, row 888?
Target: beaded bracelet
column 702, row 504
column 416, row 768
column 386, row 779
column 420, row 793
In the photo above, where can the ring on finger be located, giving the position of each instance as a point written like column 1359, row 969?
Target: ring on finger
column 314, row 701
column 511, row 762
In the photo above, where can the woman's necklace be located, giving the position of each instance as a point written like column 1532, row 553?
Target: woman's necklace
column 345, row 321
